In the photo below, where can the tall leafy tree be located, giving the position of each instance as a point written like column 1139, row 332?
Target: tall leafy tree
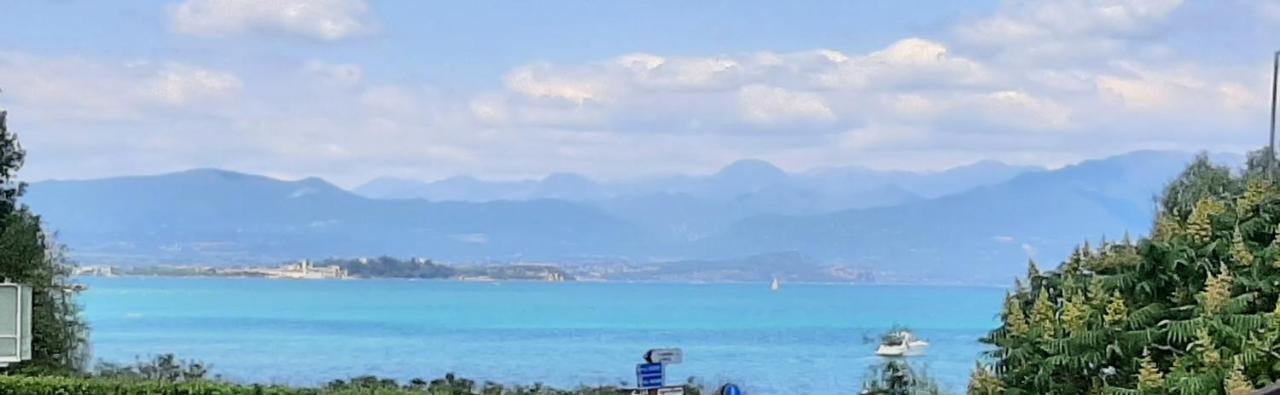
column 1190, row 310
column 30, row 256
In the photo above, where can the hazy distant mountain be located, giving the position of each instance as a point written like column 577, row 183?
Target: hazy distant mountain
column 218, row 216
column 980, row 232
column 817, row 190
column 930, row 184
column 685, row 208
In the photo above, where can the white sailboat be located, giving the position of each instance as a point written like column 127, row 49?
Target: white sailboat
column 775, row 285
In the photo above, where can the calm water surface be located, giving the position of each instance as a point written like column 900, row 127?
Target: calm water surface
column 805, row 339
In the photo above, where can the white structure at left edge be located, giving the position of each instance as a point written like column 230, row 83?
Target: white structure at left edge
column 15, row 323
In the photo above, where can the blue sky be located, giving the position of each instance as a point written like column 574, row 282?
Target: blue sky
column 352, row 89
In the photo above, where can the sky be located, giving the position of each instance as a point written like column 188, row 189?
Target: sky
column 350, row 90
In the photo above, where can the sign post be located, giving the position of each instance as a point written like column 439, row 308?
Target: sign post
column 672, row 390
column 667, row 356
column 649, row 375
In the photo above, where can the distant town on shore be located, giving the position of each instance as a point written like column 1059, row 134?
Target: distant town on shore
column 762, row 268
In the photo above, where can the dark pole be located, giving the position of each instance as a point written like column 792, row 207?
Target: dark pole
column 1271, row 149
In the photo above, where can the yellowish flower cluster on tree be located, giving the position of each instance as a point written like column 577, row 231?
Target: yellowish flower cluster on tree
column 1204, row 346
column 1042, row 314
column 1236, row 383
column 1150, row 379
column 1015, row 319
column 1075, row 314
column 1117, row 313
column 1166, row 228
column 1200, row 224
column 1254, row 195
column 1239, row 251
column 1216, row 294
column 983, row 382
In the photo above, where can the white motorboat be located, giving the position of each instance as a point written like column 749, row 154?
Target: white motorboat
column 901, row 344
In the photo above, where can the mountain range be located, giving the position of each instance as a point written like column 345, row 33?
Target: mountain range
column 838, row 187
column 688, row 208
column 969, row 223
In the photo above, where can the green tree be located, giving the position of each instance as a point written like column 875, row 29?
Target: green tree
column 30, row 256
column 1191, row 310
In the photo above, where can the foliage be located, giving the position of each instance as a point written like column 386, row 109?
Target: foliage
column 11, row 158
column 1191, row 310
column 388, row 267
column 165, row 367
column 391, row 267
column 896, row 377
column 30, row 256
column 984, row 382
column 367, row 385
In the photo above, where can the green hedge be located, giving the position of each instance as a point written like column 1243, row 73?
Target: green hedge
column 79, row 386
column 97, row 386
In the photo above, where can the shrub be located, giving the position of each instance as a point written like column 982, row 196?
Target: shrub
column 365, row 385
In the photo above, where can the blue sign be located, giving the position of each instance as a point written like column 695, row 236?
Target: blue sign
column 730, row 389
column 649, row 375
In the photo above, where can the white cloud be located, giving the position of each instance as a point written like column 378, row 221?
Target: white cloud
column 1034, row 82
column 318, row 19
column 179, row 85
column 1138, row 93
column 881, row 137
column 768, row 105
column 719, row 93
column 67, row 88
column 1022, row 21
column 1178, row 90
column 489, row 109
column 536, row 81
column 80, row 89
column 1236, row 96
column 652, row 71
column 906, row 63
column 975, row 100
column 1066, row 30
column 910, row 105
column 1021, row 110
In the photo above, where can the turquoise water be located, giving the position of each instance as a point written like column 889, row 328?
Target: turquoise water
column 805, row 339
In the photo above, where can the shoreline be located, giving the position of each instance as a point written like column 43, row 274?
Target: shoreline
column 764, row 284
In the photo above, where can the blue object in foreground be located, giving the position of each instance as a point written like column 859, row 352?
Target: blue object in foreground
column 730, row 389
column 649, row 375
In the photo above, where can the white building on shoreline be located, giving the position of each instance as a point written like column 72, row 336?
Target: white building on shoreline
column 304, row 270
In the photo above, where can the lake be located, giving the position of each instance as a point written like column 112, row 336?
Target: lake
column 804, row 339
